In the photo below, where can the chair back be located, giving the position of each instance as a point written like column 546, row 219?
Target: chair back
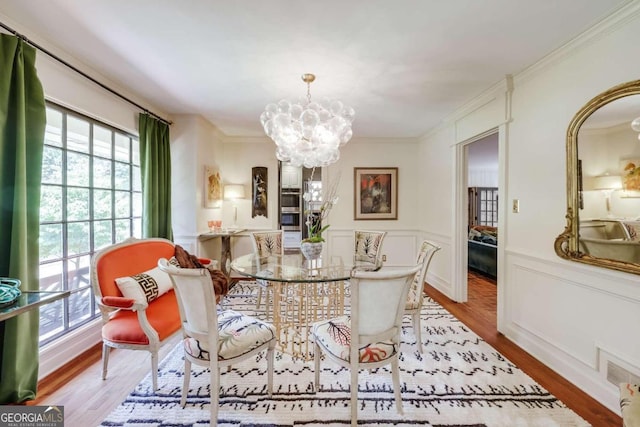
column 377, row 303
column 267, row 243
column 196, row 301
column 130, row 257
column 368, row 247
column 416, row 291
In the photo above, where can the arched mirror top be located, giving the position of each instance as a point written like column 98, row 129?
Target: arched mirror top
column 603, row 182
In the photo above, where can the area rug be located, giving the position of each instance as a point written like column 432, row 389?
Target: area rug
column 459, row 380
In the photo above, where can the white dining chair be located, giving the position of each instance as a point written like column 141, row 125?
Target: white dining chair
column 368, row 249
column 370, row 336
column 266, row 243
column 211, row 338
column 415, row 297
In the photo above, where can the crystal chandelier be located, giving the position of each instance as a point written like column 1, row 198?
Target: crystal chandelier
column 308, row 133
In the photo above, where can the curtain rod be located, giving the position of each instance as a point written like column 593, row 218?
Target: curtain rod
column 83, row 74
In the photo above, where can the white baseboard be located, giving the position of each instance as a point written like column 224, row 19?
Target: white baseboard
column 55, row 355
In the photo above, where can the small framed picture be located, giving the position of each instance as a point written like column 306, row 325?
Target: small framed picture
column 212, row 188
column 376, row 193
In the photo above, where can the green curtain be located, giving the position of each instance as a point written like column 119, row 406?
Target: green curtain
column 22, row 125
column 155, row 167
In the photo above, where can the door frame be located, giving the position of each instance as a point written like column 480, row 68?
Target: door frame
column 461, row 221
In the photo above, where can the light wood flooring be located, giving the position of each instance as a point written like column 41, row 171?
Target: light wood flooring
column 87, row 400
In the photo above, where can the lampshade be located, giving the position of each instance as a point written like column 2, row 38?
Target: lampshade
column 234, row 191
column 308, row 133
column 607, row 182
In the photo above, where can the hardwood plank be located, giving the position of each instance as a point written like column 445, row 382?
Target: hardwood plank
column 479, row 314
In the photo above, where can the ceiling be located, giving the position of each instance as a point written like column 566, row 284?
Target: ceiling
column 403, row 65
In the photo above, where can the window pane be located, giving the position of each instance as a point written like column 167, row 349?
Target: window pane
column 135, row 152
column 122, row 147
column 77, row 238
column 51, row 320
column 136, row 179
column 102, row 204
column 50, row 241
column 122, row 176
column 77, row 134
column 77, row 169
column 51, row 276
column 123, row 230
column 77, row 203
column 102, row 173
column 137, row 228
column 102, row 142
column 53, row 131
column 102, row 233
column 51, row 165
column 78, row 280
column 137, row 204
column 50, row 203
column 123, row 204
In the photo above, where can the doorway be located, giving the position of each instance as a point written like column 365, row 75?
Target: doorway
column 482, row 183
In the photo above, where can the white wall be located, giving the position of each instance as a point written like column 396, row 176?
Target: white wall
column 568, row 315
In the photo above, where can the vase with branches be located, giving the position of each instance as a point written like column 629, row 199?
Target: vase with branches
column 315, row 218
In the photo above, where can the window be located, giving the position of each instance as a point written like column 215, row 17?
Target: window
column 483, row 206
column 91, row 197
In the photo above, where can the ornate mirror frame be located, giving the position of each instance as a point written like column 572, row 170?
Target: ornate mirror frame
column 566, row 244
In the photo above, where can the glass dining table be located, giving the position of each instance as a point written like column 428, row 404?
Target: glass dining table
column 303, row 291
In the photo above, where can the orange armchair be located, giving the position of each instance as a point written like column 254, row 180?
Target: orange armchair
column 127, row 323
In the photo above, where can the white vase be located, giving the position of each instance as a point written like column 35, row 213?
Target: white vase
column 311, row 250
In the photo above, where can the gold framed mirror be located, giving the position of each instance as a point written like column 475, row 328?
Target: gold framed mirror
column 603, row 182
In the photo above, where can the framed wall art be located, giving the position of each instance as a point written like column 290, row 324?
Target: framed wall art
column 212, row 188
column 259, row 186
column 376, row 193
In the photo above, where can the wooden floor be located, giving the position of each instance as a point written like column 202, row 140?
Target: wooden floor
column 87, row 400
column 479, row 314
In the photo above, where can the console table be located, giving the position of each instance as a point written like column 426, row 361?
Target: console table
column 225, row 242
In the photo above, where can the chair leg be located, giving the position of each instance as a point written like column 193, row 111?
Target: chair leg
column 214, row 372
column 185, row 382
column 154, row 369
column 270, row 352
column 267, row 302
column 395, row 376
column 417, row 330
column 105, row 360
column 354, row 395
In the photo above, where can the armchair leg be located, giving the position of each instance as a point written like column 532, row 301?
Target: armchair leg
column 105, row 360
column 154, row 369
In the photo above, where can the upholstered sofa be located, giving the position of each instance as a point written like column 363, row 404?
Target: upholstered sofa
column 483, row 249
column 610, row 239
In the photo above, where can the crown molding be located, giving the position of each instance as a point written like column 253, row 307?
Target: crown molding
column 618, row 18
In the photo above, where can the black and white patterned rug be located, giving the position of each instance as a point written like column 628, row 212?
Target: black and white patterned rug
column 459, row 380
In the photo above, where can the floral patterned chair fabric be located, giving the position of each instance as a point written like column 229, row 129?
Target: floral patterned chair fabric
column 416, row 291
column 267, row 243
column 368, row 248
column 211, row 338
column 370, row 337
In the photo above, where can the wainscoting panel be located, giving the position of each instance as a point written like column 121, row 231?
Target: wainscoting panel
column 564, row 314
